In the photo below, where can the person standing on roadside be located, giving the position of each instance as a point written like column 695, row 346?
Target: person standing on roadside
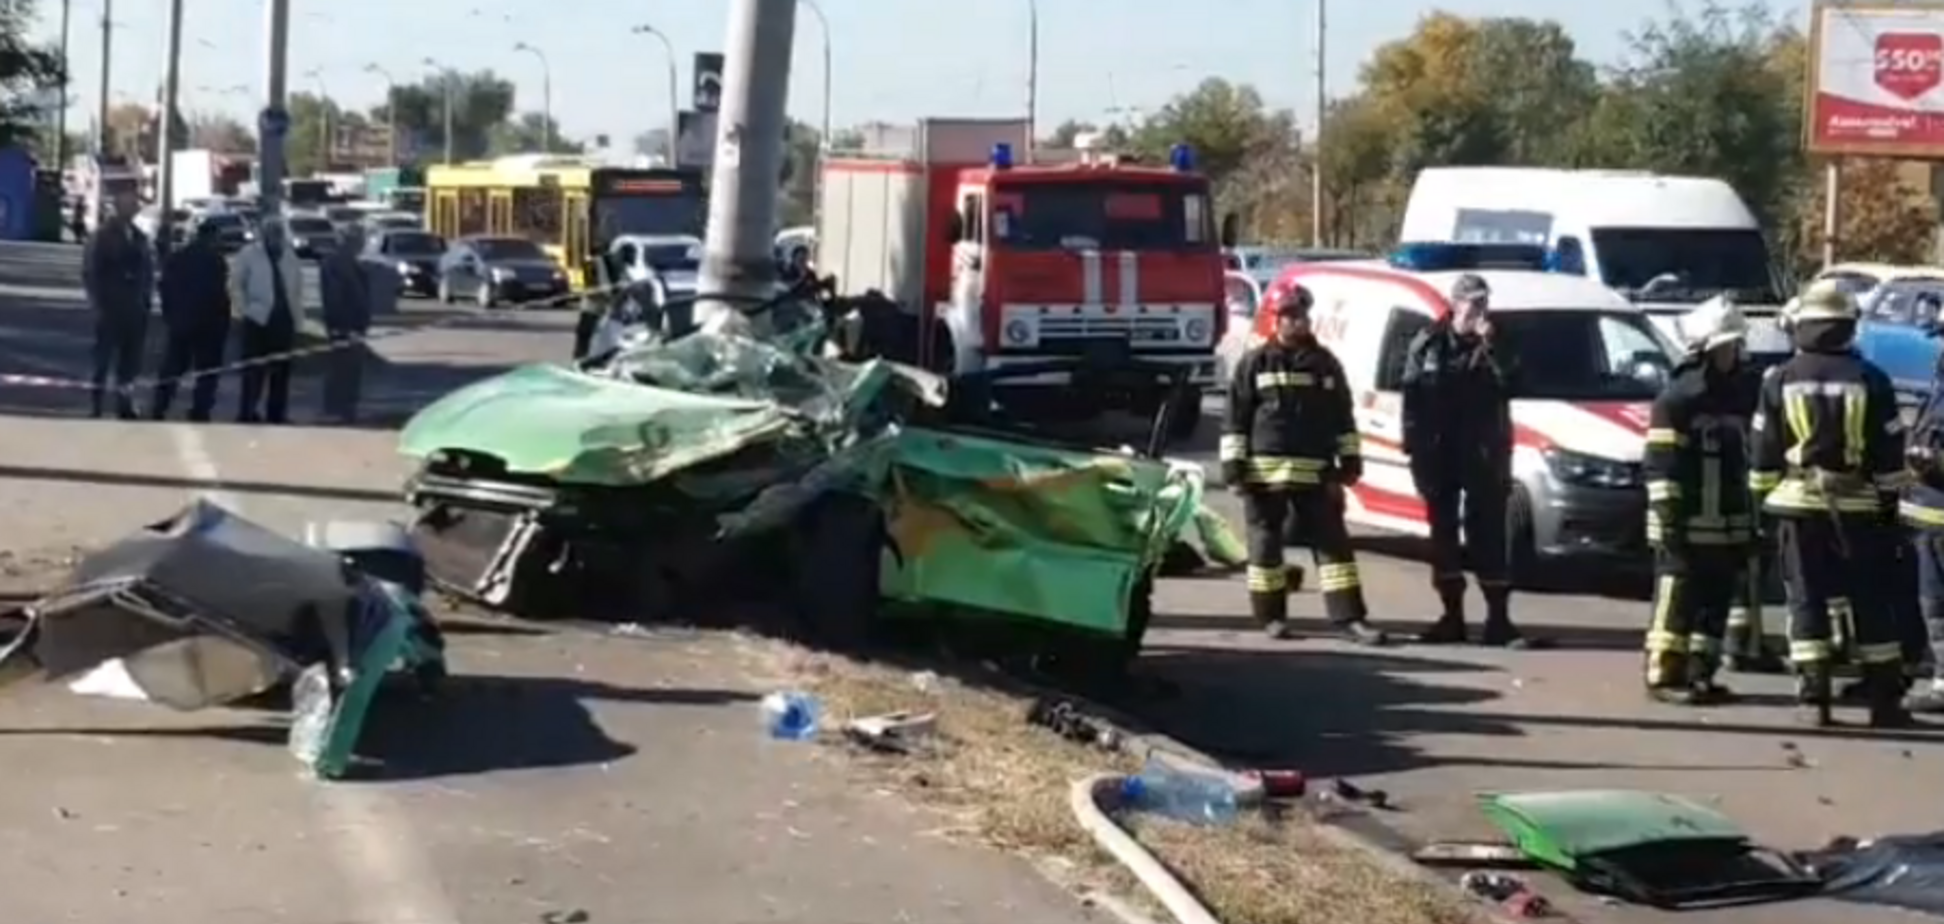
column 347, row 295
column 267, row 290
column 118, row 274
column 196, row 312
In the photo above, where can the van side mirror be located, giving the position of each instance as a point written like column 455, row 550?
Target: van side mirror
column 1231, row 229
column 955, row 229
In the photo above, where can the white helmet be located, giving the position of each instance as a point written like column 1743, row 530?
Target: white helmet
column 1713, row 323
column 1823, row 300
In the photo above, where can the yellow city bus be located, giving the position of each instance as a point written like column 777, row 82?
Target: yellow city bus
column 569, row 207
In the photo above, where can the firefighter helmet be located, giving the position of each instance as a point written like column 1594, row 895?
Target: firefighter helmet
column 1823, row 300
column 1713, row 323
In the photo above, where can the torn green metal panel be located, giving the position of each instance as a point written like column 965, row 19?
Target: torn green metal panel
column 1027, row 530
column 1561, row 829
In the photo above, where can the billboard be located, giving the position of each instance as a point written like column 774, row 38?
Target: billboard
column 1876, row 79
column 706, row 96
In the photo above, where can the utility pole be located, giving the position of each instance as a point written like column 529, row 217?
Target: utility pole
column 446, row 82
column 737, row 259
column 324, row 104
column 165, row 133
column 823, row 137
column 1316, row 143
column 103, row 97
column 546, row 95
column 1032, row 78
column 61, row 152
column 276, row 90
column 674, row 103
column 391, row 110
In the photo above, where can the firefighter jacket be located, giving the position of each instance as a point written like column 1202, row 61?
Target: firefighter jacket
column 1923, row 501
column 1457, row 399
column 1827, row 437
column 1289, row 421
column 1697, row 459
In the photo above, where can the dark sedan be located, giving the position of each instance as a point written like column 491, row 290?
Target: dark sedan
column 313, row 237
column 492, row 270
column 232, row 230
column 414, row 255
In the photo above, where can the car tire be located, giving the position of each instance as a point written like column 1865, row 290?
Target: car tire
column 445, row 291
column 1521, row 543
column 483, row 296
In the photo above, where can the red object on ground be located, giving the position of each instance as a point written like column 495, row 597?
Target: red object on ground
column 1282, row 784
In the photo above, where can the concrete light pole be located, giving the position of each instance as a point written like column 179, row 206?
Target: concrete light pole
column 107, row 76
column 445, row 84
column 737, row 258
column 1032, row 77
column 674, row 102
column 165, row 132
column 391, row 109
column 823, row 138
column 324, row 145
column 546, row 93
column 61, row 152
column 271, row 163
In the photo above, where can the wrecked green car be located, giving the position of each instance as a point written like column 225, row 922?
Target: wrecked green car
column 716, row 475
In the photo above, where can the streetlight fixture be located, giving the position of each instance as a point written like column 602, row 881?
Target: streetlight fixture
column 391, row 109
column 823, row 139
column 674, row 107
column 324, row 111
column 546, row 93
column 445, row 82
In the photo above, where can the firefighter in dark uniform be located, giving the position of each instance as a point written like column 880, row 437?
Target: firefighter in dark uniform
column 1922, row 510
column 1700, row 514
column 1828, row 465
column 1458, row 433
column 1290, row 446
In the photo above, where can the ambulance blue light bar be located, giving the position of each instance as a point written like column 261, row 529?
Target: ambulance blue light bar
column 1432, row 257
column 1002, row 158
column 1182, row 158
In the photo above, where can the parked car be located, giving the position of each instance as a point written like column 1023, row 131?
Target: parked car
column 674, row 259
column 345, row 216
column 232, row 231
column 493, row 269
column 312, row 236
column 378, row 222
column 1899, row 334
column 413, row 254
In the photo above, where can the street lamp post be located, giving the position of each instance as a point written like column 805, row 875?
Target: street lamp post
column 823, row 138
column 674, row 106
column 107, row 87
column 1032, row 77
column 445, row 83
column 165, row 133
column 67, row 78
column 391, row 110
column 324, row 145
column 546, row 93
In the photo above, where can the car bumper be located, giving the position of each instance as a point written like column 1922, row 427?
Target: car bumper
column 1585, row 521
column 525, row 290
column 418, row 282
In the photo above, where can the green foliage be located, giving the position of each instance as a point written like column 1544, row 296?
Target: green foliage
column 29, row 74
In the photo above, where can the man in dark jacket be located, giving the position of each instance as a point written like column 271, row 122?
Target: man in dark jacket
column 346, row 293
column 118, row 273
column 1458, row 433
column 196, row 312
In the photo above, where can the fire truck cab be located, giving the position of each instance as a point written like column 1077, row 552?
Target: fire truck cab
column 999, row 261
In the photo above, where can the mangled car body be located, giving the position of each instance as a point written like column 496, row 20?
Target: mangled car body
column 644, row 486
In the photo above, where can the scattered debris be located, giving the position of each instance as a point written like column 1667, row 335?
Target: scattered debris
column 1346, row 791
column 1067, row 719
column 1166, row 788
column 792, row 716
column 1470, row 854
column 895, row 732
column 1509, row 892
column 1281, row 784
column 1905, row 871
column 206, row 608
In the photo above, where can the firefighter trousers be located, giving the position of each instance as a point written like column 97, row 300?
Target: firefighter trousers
column 1694, row 588
column 1746, row 626
column 1466, row 506
column 1318, row 511
column 1832, row 566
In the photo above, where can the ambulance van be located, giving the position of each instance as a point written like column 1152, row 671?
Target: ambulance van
column 1665, row 243
column 1588, row 364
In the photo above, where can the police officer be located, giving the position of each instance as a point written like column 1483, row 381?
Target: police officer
column 196, row 314
column 1458, row 433
column 1828, row 463
column 1290, row 446
column 1923, row 511
column 1700, row 514
column 118, row 273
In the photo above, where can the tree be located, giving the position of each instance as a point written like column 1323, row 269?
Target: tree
column 528, row 133
column 1361, row 207
column 1882, row 217
column 219, row 133
column 1225, row 123
column 1429, row 87
column 1536, row 101
column 799, row 180
column 481, row 101
column 29, row 73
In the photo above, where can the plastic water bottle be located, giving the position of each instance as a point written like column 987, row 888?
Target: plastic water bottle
column 1163, row 788
column 792, row 716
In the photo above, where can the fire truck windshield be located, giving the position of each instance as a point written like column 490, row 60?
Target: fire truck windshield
column 1101, row 216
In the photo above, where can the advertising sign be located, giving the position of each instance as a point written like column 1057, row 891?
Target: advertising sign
column 1876, row 79
column 707, row 93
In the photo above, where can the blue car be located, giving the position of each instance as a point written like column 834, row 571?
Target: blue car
column 1898, row 332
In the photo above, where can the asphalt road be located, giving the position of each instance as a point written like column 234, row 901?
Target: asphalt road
column 626, row 779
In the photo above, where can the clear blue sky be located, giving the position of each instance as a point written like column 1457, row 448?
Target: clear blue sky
column 896, row 60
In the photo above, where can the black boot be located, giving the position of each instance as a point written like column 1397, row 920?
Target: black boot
column 1813, row 694
column 1271, row 612
column 1363, row 633
column 1886, row 686
column 95, row 401
column 1927, row 698
column 1450, row 627
column 125, row 408
column 1667, row 678
column 1747, row 651
column 1703, row 688
column 1499, row 630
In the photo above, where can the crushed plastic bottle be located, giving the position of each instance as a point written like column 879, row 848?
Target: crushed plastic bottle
column 1162, row 788
column 792, row 716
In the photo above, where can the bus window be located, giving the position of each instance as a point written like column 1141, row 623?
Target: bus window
column 472, row 212
column 537, row 214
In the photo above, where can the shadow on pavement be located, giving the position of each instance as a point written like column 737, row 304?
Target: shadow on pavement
column 1615, row 580
column 124, row 479
column 1557, row 637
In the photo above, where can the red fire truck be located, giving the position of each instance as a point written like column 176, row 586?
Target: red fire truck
column 1005, row 262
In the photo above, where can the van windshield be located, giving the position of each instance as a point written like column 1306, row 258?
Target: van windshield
column 1101, row 216
column 1568, row 355
column 1686, row 266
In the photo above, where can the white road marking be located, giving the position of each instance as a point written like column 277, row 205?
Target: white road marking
column 389, row 876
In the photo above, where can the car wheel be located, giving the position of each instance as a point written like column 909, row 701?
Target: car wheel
column 445, row 291
column 484, row 295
